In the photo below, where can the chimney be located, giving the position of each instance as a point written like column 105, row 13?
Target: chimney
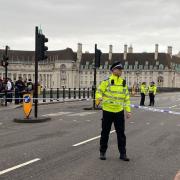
column 130, row 49
column 125, row 52
column 169, row 50
column 110, row 52
column 79, row 52
column 156, row 52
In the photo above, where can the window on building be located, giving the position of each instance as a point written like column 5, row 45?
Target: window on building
column 161, row 66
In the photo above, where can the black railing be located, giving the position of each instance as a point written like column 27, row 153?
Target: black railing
column 48, row 95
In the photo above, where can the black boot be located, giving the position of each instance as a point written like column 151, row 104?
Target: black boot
column 124, row 157
column 102, row 156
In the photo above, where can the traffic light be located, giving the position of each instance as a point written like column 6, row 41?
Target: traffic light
column 41, row 48
column 4, row 62
column 98, row 54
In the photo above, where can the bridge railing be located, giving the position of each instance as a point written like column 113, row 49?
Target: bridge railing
column 48, row 95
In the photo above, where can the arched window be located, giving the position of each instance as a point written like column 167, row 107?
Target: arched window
column 160, row 81
column 161, row 67
column 63, row 77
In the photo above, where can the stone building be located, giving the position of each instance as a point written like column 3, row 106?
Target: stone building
column 65, row 68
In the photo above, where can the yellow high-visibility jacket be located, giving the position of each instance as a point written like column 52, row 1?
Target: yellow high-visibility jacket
column 143, row 88
column 152, row 89
column 115, row 95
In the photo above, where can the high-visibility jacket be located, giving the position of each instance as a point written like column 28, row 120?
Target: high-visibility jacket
column 143, row 89
column 114, row 94
column 152, row 89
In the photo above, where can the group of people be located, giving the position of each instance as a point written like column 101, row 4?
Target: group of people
column 18, row 87
column 151, row 90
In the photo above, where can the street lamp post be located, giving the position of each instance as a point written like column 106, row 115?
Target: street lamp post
column 137, row 80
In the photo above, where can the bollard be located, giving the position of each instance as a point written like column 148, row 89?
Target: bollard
column 84, row 93
column 57, row 94
column 69, row 93
column 79, row 93
column 63, row 93
column 44, row 95
column 88, row 93
column 74, row 93
column 51, row 95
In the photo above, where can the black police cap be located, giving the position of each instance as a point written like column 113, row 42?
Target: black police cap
column 116, row 65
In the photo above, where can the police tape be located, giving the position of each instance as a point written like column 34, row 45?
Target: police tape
column 153, row 109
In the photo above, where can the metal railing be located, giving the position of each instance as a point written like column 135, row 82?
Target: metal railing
column 48, row 95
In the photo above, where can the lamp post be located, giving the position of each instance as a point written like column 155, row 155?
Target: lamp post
column 137, row 80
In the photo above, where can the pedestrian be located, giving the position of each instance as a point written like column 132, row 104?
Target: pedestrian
column 114, row 96
column 9, row 89
column 19, row 90
column 152, row 92
column 30, row 86
column 143, row 93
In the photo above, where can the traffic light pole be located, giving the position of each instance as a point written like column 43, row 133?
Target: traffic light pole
column 94, row 86
column 36, row 74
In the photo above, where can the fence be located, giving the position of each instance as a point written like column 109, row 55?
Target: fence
column 49, row 95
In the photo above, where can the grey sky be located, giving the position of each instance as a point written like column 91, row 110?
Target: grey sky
column 142, row 23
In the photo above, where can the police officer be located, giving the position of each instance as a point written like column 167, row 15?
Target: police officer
column 114, row 95
column 152, row 91
column 143, row 93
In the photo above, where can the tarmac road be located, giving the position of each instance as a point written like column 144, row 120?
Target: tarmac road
column 67, row 147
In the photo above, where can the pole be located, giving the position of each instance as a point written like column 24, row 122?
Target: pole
column 94, row 86
column 6, row 75
column 36, row 74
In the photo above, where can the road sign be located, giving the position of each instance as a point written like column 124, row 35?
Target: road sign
column 27, row 104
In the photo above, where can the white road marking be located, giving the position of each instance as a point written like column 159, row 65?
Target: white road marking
column 147, row 123
column 75, row 120
column 1, row 123
column 131, row 122
column 83, row 142
column 57, row 114
column 81, row 114
column 18, row 166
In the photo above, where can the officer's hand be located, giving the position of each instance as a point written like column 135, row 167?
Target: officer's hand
column 128, row 115
column 98, row 101
column 177, row 177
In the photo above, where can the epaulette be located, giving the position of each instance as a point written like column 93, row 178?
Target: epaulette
column 124, row 83
column 106, row 78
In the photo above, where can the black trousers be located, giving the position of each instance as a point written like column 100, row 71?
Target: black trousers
column 119, row 124
column 142, row 99
column 151, row 97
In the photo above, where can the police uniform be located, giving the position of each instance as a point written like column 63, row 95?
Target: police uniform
column 152, row 91
column 143, row 93
column 115, row 99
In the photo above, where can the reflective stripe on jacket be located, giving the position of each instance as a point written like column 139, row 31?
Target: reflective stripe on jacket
column 143, row 88
column 152, row 89
column 115, row 96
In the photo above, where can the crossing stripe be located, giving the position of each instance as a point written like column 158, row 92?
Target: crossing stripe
column 18, row 166
column 81, row 114
column 86, row 141
column 57, row 114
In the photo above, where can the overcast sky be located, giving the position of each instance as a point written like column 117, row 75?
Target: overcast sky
column 140, row 23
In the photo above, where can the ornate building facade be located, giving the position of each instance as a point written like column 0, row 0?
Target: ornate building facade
column 65, row 68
